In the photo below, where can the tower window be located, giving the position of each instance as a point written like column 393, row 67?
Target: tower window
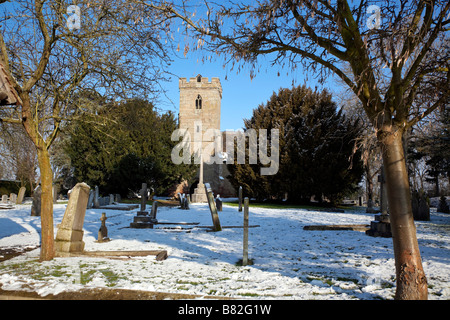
column 199, row 78
column 198, row 102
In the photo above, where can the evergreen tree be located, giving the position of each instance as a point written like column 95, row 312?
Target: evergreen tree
column 124, row 145
column 316, row 149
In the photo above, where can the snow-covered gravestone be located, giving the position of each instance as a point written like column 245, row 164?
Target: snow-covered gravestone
column 69, row 237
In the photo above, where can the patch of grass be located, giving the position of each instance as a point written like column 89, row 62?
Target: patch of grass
column 111, row 277
column 188, row 282
column 248, row 294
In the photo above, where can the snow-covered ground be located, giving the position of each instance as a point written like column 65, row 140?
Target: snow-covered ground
column 289, row 262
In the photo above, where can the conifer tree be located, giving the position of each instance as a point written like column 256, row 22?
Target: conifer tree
column 316, row 149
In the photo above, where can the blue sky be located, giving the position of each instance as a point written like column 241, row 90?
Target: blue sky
column 240, row 94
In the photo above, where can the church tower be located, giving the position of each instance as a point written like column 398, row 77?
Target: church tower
column 200, row 101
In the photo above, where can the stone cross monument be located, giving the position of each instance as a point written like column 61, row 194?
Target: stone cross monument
column 199, row 194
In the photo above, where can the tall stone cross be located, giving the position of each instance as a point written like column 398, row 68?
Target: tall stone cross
column 143, row 200
column 200, row 180
column 199, row 194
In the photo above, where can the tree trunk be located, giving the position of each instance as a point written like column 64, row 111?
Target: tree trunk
column 31, row 127
column 411, row 279
column 47, row 237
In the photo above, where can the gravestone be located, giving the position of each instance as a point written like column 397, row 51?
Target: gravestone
column 443, row 206
column 96, row 198
column 69, row 237
column 117, row 198
column 184, row 201
column 5, row 198
column 142, row 219
column 90, row 202
column 420, row 207
column 381, row 227
column 103, row 201
column 111, row 199
column 180, row 199
column 143, row 200
column 245, row 243
column 103, row 231
column 153, row 211
column 187, row 202
column 21, row 195
column 212, row 208
column 36, row 204
column 240, row 198
column 13, row 198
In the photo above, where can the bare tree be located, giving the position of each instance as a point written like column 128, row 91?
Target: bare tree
column 391, row 50
column 51, row 51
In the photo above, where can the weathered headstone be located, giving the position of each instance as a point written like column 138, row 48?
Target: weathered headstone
column 13, row 198
column 240, row 199
column 96, row 197
column 111, row 199
column 69, row 237
column 36, row 204
column 143, row 200
column 153, row 211
column 212, row 208
column 103, row 231
column 245, row 244
column 5, row 198
column 90, row 202
column 21, row 195
column 118, row 198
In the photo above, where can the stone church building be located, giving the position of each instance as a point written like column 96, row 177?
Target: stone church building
column 200, row 102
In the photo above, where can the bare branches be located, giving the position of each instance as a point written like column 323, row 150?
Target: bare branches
column 390, row 65
column 119, row 51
